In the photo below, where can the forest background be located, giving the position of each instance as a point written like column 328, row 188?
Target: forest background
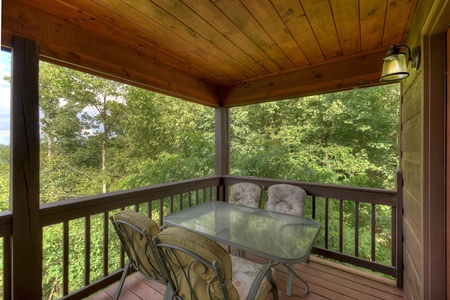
column 99, row 136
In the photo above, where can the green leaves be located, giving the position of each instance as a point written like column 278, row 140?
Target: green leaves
column 348, row 138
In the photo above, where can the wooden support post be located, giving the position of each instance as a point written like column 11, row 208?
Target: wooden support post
column 222, row 165
column 26, row 241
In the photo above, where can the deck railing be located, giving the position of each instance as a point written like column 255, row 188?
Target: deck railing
column 60, row 218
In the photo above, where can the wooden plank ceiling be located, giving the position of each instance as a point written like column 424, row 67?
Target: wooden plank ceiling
column 217, row 52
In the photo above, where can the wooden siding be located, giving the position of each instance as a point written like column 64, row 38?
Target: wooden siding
column 448, row 165
column 411, row 164
column 422, row 156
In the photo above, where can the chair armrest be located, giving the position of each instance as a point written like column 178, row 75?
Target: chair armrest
column 265, row 272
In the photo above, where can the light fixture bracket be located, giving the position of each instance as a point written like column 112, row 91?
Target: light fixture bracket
column 415, row 58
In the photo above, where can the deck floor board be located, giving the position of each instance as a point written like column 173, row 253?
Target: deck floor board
column 325, row 280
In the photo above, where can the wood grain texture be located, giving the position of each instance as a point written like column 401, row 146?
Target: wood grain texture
column 63, row 42
column 346, row 16
column 324, row 279
column 372, row 16
column 193, row 49
column 26, row 240
column 325, row 78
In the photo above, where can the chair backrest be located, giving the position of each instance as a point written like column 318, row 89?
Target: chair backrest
column 197, row 267
column 136, row 232
column 245, row 193
column 286, row 198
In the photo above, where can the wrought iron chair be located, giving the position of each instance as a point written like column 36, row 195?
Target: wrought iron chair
column 245, row 193
column 135, row 232
column 288, row 199
column 199, row 268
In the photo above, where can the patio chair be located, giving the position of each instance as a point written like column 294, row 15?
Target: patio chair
column 135, row 232
column 288, row 199
column 199, row 268
column 245, row 193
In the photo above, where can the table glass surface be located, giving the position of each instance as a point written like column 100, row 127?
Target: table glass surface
column 277, row 236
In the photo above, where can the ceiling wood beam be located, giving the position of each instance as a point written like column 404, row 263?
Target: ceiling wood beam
column 65, row 44
column 337, row 76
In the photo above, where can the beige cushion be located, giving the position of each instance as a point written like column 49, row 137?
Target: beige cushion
column 245, row 193
column 286, row 198
column 143, row 257
column 138, row 220
column 244, row 273
column 200, row 276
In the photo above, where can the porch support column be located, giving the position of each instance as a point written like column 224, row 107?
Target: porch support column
column 26, row 241
column 222, row 136
column 222, row 166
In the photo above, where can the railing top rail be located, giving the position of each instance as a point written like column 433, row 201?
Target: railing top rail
column 334, row 191
column 5, row 223
column 56, row 212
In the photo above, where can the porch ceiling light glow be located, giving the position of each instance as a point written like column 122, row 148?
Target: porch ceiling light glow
column 395, row 64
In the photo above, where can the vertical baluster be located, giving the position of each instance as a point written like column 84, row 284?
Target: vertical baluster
column 150, row 208
column 341, row 225
column 394, row 236
column 171, row 204
column 373, row 233
column 161, row 211
column 87, row 248
column 65, row 257
column 357, row 211
column 326, row 221
column 180, row 202
column 314, row 207
column 6, row 268
column 105, row 243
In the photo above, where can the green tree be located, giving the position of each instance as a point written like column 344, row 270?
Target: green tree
column 347, row 138
column 4, row 177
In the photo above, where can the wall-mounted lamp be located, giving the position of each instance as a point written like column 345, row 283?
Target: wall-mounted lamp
column 394, row 64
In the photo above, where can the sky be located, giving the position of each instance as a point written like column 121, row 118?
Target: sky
column 5, row 98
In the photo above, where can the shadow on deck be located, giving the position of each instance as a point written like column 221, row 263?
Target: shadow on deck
column 326, row 281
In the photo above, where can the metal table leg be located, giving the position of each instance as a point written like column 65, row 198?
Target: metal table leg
column 289, row 281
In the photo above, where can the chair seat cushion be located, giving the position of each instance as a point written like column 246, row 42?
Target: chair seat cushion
column 244, row 273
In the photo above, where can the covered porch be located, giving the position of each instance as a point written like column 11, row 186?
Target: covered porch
column 266, row 51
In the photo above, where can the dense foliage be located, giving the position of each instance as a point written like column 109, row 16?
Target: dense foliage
column 100, row 136
column 348, row 138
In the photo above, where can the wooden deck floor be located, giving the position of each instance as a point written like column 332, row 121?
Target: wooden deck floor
column 325, row 281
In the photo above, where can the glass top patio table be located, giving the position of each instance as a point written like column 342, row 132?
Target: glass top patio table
column 280, row 237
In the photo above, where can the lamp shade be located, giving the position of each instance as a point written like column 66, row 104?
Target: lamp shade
column 394, row 67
